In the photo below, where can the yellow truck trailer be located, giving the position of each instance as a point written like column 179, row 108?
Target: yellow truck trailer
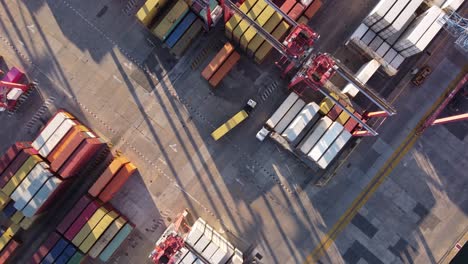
column 234, row 121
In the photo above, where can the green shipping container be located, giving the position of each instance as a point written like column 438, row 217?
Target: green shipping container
column 186, row 39
column 76, row 259
column 107, row 237
column 164, row 27
column 97, row 232
column 116, row 242
column 86, row 229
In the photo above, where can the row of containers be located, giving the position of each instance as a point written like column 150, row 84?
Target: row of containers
column 397, row 29
column 34, row 176
column 315, row 132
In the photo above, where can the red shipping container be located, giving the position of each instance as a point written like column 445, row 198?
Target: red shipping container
column 53, row 196
column 73, row 214
column 83, row 154
column 296, row 11
column 224, row 69
column 15, row 165
column 45, row 248
column 68, row 151
column 313, row 8
column 117, row 182
column 63, row 144
column 287, row 6
column 81, row 220
column 11, row 154
column 107, row 175
column 8, row 251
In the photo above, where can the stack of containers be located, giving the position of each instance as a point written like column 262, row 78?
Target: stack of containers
column 7, row 243
column 220, row 65
column 149, row 11
column 8, row 250
column 56, row 249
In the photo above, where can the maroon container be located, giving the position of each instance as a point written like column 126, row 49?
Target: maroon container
column 11, row 154
column 334, row 112
column 8, row 251
column 83, row 154
column 45, row 248
column 68, row 220
column 81, row 220
column 15, row 165
column 351, row 124
column 68, row 152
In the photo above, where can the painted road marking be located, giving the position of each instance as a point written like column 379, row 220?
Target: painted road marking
column 378, row 179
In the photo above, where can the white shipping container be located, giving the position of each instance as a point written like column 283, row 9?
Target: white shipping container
column 189, row 258
column 452, row 4
column 282, row 110
column 402, row 18
column 55, row 138
column 379, row 11
column 390, row 55
column 334, row 149
column 430, row 34
column 41, row 196
column 307, row 115
column 375, row 44
column 237, row 258
column 32, row 190
column 359, row 32
column 201, row 243
column 383, row 49
column 397, row 61
column 180, row 255
column 220, row 256
column 364, row 74
column 368, row 37
column 391, row 15
column 315, row 134
column 289, row 116
column 394, row 37
column 327, row 139
column 23, row 187
column 48, row 130
column 195, row 233
column 208, row 232
column 209, row 250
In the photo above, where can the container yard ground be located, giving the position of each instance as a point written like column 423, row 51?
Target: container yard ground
column 254, row 192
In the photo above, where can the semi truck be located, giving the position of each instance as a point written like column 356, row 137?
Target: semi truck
column 234, row 121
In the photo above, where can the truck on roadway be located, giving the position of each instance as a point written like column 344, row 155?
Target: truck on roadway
column 234, row 121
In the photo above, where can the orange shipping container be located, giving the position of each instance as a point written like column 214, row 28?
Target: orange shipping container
column 80, row 158
column 287, row 6
column 224, row 69
column 68, row 150
column 117, row 182
column 65, row 142
column 107, row 176
column 217, row 61
column 296, row 11
column 313, row 8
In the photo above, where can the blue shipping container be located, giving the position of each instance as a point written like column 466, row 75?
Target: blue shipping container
column 66, row 254
column 10, row 209
column 115, row 243
column 55, row 252
column 180, row 29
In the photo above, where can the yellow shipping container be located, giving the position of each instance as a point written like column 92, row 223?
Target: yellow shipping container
column 265, row 49
column 303, row 20
column 98, row 231
column 27, row 222
column 149, row 10
column 86, row 229
column 256, row 10
column 4, row 199
column 231, row 25
column 107, row 237
column 6, row 237
column 17, row 217
column 257, row 41
column 230, row 124
column 251, row 32
column 326, row 105
column 343, row 117
column 164, row 27
column 19, row 176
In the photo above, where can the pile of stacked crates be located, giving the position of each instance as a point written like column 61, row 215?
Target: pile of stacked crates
column 319, row 132
column 247, row 37
column 8, row 244
column 173, row 22
column 210, row 244
column 394, row 31
column 221, row 65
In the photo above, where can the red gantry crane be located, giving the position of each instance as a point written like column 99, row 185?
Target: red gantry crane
column 11, row 90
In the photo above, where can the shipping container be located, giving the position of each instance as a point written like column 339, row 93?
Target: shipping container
column 45, row 248
column 88, row 227
column 102, row 242
column 11, row 153
column 231, row 24
column 66, row 141
column 15, row 165
column 116, row 242
column 359, row 32
column 287, row 6
column 402, row 19
column 117, row 182
column 217, row 61
column 391, row 15
column 41, row 196
column 77, row 258
column 55, row 252
column 81, row 157
column 313, row 9
column 4, row 200
column 25, row 195
column 202, row 243
column 334, row 149
column 325, row 141
column 8, row 235
column 289, row 116
column 390, row 55
column 344, row 116
column 209, row 250
column 305, row 119
column 27, row 222
column 303, row 20
column 224, row 69
column 66, row 255
column 17, row 217
column 265, row 48
column 375, row 43
column 189, row 258
column 180, row 29
column 392, row 38
column 97, row 231
column 55, row 138
column 186, row 39
column 69, row 149
column 282, row 110
column 335, row 112
column 170, row 20
column 350, row 125
column 368, row 37
column 49, row 129
column 149, row 10
column 230, row 124
column 383, row 49
column 107, row 175
column 54, row 196
column 253, row 13
column 296, row 11
column 452, row 5
column 11, row 185
column 8, row 251
column 315, row 134
column 261, row 20
column 196, row 232
column 379, row 11
column 87, row 213
column 9, row 209
column 363, row 74
column 257, row 41
column 73, row 214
